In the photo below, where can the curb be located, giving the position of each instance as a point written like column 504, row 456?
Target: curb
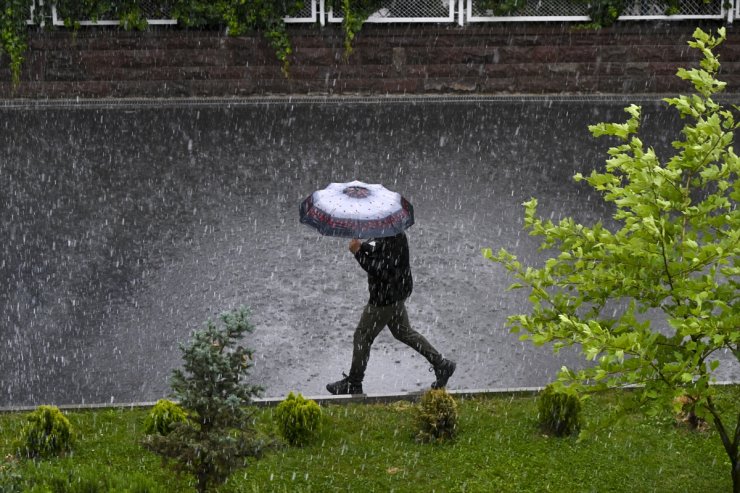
column 322, row 399
column 121, row 103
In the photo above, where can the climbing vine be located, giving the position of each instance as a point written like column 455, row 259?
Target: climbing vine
column 266, row 16
column 354, row 14
column 72, row 11
column 604, row 13
column 13, row 33
column 239, row 16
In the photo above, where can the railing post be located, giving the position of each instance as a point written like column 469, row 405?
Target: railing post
column 41, row 9
column 460, row 12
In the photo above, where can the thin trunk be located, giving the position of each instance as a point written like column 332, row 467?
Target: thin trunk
column 731, row 445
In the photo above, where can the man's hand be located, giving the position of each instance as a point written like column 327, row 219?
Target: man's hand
column 354, row 245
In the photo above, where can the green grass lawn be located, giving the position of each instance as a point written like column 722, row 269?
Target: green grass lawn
column 499, row 448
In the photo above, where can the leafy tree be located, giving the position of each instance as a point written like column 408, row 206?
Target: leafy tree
column 676, row 253
column 217, row 435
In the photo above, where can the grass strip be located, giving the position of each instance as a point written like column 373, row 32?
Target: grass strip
column 372, row 448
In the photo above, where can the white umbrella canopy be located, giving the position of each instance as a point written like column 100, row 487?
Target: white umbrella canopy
column 357, row 210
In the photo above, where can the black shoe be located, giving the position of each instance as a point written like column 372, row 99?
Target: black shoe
column 344, row 387
column 443, row 372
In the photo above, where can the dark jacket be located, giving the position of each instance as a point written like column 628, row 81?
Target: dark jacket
column 386, row 261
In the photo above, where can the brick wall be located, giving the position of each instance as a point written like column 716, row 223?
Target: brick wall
column 631, row 57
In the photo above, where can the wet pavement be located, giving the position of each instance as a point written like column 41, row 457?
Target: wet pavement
column 126, row 225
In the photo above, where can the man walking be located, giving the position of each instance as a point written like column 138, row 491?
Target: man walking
column 386, row 261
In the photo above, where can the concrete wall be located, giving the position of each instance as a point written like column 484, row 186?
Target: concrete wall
column 631, row 57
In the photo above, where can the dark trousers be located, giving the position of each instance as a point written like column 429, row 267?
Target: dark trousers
column 372, row 321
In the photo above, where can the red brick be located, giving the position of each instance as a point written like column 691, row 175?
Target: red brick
column 533, row 58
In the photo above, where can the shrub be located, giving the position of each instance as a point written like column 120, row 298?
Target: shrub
column 559, row 411
column 218, row 435
column 298, row 419
column 47, row 432
column 436, row 416
column 163, row 417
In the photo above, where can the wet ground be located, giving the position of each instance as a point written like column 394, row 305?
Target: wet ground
column 126, row 226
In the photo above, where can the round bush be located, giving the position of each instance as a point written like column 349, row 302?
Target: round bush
column 298, row 419
column 163, row 417
column 46, row 433
column 436, row 416
column 559, row 412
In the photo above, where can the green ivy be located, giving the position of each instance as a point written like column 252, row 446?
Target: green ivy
column 127, row 12
column 13, row 34
column 355, row 13
column 130, row 15
column 604, row 13
column 262, row 15
column 240, row 16
column 673, row 7
column 196, row 13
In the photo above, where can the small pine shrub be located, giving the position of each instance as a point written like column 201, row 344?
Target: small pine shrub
column 298, row 419
column 559, row 412
column 436, row 416
column 163, row 417
column 47, row 433
column 219, row 434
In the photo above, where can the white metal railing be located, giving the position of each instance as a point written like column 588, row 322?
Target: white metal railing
column 31, row 13
column 436, row 11
column 689, row 9
column 564, row 10
column 451, row 11
column 309, row 14
column 542, row 11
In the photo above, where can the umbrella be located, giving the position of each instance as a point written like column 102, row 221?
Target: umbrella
column 357, row 210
